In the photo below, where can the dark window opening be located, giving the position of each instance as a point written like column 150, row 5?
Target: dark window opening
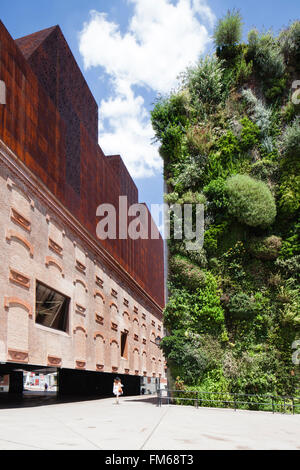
column 51, row 308
column 124, row 345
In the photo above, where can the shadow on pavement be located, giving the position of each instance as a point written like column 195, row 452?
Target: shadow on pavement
column 40, row 398
column 152, row 400
column 36, row 398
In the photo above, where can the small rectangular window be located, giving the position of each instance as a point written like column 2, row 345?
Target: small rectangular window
column 51, row 308
column 124, row 345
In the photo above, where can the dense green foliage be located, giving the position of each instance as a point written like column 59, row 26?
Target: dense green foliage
column 205, row 86
column 290, row 44
column 230, row 139
column 266, row 53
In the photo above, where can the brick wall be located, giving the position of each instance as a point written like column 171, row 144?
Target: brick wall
column 41, row 241
column 50, row 122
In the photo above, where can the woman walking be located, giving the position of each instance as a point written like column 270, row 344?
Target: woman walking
column 117, row 389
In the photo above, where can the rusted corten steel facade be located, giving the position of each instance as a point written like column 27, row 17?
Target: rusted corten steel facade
column 53, row 176
column 51, row 122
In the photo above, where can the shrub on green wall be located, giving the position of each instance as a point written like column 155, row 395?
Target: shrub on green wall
column 290, row 43
column 205, row 84
column 250, row 201
column 186, row 273
column 265, row 248
column 228, row 31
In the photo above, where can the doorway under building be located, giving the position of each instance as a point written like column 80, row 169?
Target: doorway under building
column 29, row 385
column 25, row 384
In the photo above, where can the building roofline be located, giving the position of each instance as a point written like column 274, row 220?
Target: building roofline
column 42, row 36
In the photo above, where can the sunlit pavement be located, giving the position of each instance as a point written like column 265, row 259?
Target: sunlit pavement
column 136, row 423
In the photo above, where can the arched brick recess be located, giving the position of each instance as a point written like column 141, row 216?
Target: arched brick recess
column 144, row 362
column 114, row 312
column 80, row 259
column 98, row 295
column 20, row 206
column 80, row 296
column 82, row 282
column 113, row 305
column 53, row 262
column 125, row 323
column 99, row 350
column 12, row 235
column 99, row 307
column 159, row 368
column 18, row 312
column 153, row 365
column 126, row 317
column 10, row 301
column 136, row 360
column 19, row 197
column 80, row 328
column 114, row 354
column 136, row 329
column 55, row 238
column 98, row 334
column 99, row 303
column 80, row 336
column 153, row 346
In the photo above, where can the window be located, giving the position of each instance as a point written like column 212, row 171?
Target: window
column 124, row 345
column 51, row 308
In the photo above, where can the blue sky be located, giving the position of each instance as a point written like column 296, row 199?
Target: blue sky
column 131, row 50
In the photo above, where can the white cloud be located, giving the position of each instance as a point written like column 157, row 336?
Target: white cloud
column 162, row 39
column 130, row 131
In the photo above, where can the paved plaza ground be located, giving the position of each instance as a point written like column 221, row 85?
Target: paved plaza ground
column 137, row 424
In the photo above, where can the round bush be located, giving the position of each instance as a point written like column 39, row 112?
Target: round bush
column 186, row 273
column 267, row 248
column 250, row 201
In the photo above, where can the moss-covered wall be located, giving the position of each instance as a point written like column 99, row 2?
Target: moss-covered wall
column 230, row 138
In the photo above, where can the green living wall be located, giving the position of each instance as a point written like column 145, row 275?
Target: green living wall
column 230, row 139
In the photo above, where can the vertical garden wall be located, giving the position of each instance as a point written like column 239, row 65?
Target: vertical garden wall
column 230, row 139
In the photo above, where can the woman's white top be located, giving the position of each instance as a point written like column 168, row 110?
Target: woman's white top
column 116, row 390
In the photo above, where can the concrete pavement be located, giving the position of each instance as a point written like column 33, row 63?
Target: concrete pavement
column 137, row 424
